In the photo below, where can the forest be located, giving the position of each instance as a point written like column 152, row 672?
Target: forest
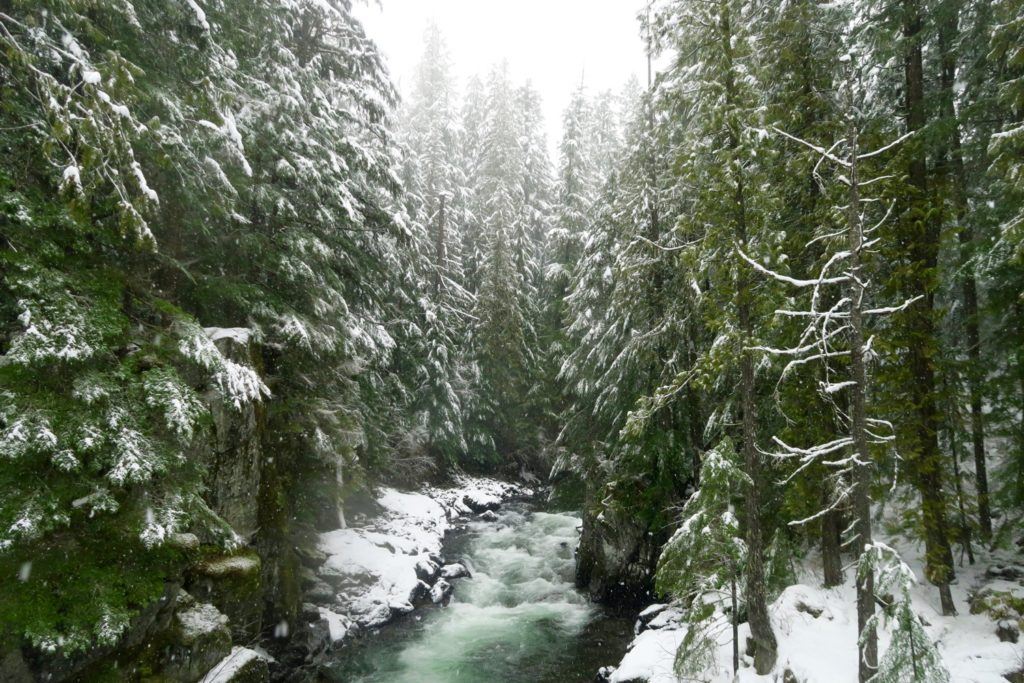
column 757, row 324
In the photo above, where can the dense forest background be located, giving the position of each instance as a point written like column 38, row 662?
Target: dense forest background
column 787, row 271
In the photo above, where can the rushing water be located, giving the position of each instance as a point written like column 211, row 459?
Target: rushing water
column 518, row 619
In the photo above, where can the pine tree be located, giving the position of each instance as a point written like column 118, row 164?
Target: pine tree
column 502, row 329
column 705, row 557
column 912, row 656
column 436, row 188
column 720, row 155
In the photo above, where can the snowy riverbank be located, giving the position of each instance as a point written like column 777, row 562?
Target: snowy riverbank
column 389, row 564
column 816, row 629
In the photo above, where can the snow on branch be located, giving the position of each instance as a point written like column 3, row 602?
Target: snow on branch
column 825, row 153
column 789, row 280
column 886, row 148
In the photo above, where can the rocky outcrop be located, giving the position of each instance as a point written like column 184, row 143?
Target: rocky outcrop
column 1001, row 599
column 235, row 463
column 198, row 639
column 232, row 584
column 616, row 557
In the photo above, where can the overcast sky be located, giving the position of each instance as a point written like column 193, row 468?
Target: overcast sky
column 553, row 43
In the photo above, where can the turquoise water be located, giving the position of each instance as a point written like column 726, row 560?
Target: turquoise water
column 518, row 619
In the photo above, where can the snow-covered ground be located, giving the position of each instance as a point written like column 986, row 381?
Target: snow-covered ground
column 817, row 634
column 383, row 568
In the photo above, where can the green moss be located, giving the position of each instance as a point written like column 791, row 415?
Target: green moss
column 999, row 604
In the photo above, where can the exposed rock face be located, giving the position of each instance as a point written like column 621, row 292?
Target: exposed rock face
column 232, row 584
column 616, row 558
column 235, row 464
column 199, row 640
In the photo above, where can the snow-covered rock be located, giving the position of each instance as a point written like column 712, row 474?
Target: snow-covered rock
column 391, row 563
column 456, row 570
column 200, row 639
column 479, row 501
column 427, row 570
column 651, row 657
column 242, row 665
column 338, row 625
column 441, row 592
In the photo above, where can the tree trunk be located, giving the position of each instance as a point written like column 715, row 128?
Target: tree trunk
column 921, row 237
column 735, row 628
column 948, row 32
column 766, row 647
column 831, row 558
column 862, row 473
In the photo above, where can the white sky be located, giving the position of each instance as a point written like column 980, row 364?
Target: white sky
column 553, row 43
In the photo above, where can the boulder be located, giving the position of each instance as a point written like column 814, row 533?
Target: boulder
column 441, row 592
column 1010, row 572
column 651, row 611
column 455, row 571
column 183, row 541
column 320, row 592
column 478, row 501
column 242, row 665
column 376, row 616
column 338, row 625
column 427, row 570
column 1008, row 631
column 488, row 516
column 199, row 639
column 420, row 594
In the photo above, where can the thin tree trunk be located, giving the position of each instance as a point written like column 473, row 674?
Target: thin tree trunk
column 965, row 526
column 831, row 557
column 921, row 235
column 862, row 473
column 948, row 32
column 735, row 628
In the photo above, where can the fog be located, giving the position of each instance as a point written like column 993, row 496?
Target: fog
column 556, row 44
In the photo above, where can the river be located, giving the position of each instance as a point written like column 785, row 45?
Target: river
column 519, row 618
